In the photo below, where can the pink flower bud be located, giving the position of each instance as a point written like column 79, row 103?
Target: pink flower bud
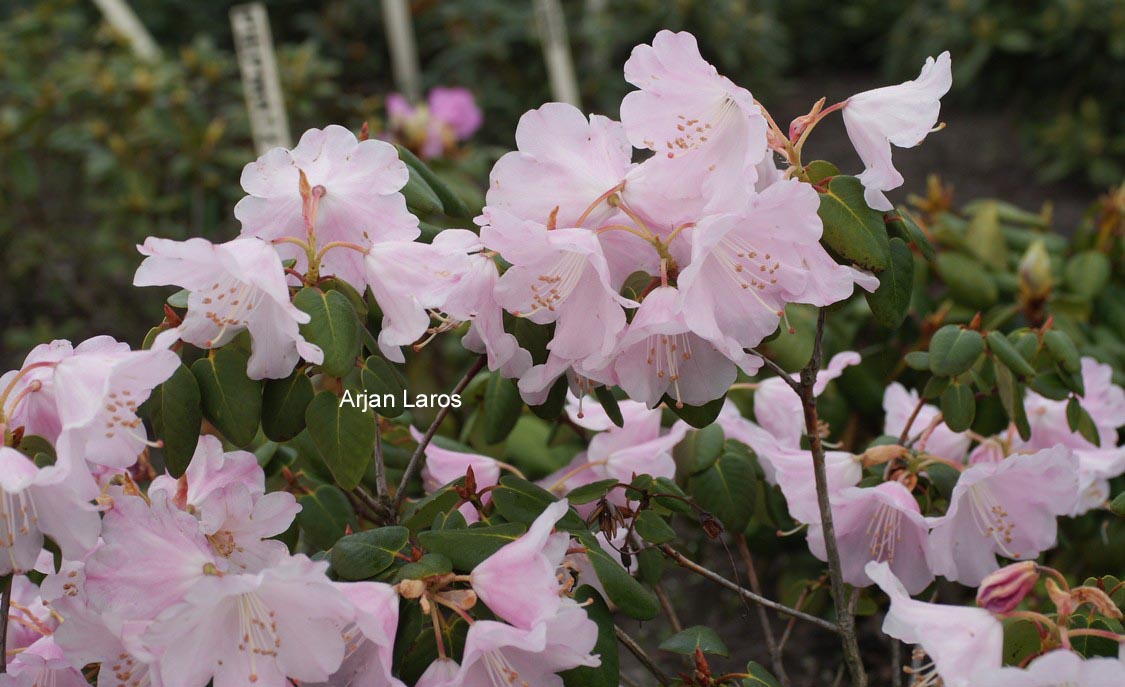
column 1002, row 591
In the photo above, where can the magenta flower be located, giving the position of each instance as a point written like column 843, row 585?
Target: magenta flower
column 962, row 642
column 708, row 134
column 519, row 582
column 369, row 640
column 361, row 203
column 443, row 465
column 660, row 354
column 899, row 403
column 449, row 115
column 1004, row 509
column 235, row 286
column 33, row 504
column 259, row 629
column 881, row 524
column 902, row 115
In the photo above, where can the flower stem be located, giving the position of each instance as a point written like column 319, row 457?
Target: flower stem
column 416, row 460
column 636, row 649
column 845, row 618
column 776, row 661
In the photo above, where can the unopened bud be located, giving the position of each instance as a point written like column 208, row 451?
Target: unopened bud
column 878, row 455
column 1035, row 272
column 1002, row 591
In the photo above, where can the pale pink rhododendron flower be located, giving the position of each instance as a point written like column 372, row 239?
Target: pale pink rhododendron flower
column 368, row 640
column 962, row 642
column 708, row 134
column 1104, row 401
column 449, row 115
column 659, row 354
column 34, row 504
column 29, row 619
column 1059, row 668
column 361, row 203
column 1004, row 509
column 898, row 404
column 42, row 663
column 239, row 525
column 519, row 582
column 901, row 115
column 444, row 465
column 254, row 629
column 211, row 469
column 882, row 524
column 31, row 400
column 235, row 286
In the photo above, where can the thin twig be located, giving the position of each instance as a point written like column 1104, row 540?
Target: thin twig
column 685, row 562
column 636, row 649
column 896, row 663
column 910, row 420
column 669, row 609
column 416, row 460
column 845, row 618
column 5, row 611
column 767, row 630
column 777, row 369
column 377, row 508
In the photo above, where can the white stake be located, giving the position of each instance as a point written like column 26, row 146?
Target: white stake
column 404, row 52
column 257, row 63
column 122, row 18
column 556, row 51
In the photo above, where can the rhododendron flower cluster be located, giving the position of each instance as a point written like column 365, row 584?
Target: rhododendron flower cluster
column 207, row 509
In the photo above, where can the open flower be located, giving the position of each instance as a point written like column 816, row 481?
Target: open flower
column 449, row 115
column 33, row 504
column 259, row 629
column 235, row 286
column 210, row 470
column 902, row 115
column 519, row 582
column 899, row 403
column 31, row 402
column 443, row 465
column 239, row 524
column 1058, row 667
column 708, row 134
column 881, row 524
column 1004, row 509
column 962, row 642
column 42, row 663
column 369, row 640
column 361, row 203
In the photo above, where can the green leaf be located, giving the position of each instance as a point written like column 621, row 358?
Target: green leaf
column 851, row 228
column 954, row 350
column 521, row 501
column 984, row 238
column 606, row 674
column 32, row 445
column 935, row 387
column 917, row 360
column 609, row 405
column 231, row 401
column 1007, row 354
column 626, row 593
column 698, row 637
column 325, row 516
column 1080, row 421
column 344, row 437
column 450, row 201
column 958, row 408
column 653, row 528
column 556, row 399
column 175, row 414
column 819, row 170
column 727, row 489
column 420, row 196
column 759, row 676
column 1117, row 505
column 590, row 492
column 283, row 405
column 967, row 280
column 699, row 449
column 1011, row 397
column 423, row 511
column 429, row 565
column 365, row 554
column 917, row 236
column 696, row 416
column 466, row 548
column 1088, row 273
column 383, row 379
column 179, row 299
column 1021, row 640
column 891, row 301
column 1050, row 385
column 501, row 408
column 1063, row 350
column 333, row 327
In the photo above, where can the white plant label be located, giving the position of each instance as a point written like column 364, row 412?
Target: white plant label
column 123, row 20
column 257, row 63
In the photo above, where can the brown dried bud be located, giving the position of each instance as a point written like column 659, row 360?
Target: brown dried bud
column 711, row 525
column 1096, row 598
column 877, row 455
column 1064, row 604
column 1002, row 591
column 411, row 589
